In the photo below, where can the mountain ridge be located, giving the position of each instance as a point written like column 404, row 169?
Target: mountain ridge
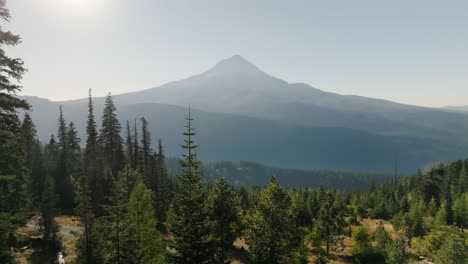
column 240, row 91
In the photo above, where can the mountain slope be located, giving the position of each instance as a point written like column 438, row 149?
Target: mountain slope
column 237, row 86
column 462, row 108
column 232, row 137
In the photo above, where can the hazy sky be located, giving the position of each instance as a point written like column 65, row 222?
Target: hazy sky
column 407, row 51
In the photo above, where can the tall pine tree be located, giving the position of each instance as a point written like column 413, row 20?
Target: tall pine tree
column 110, row 140
column 330, row 220
column 162, row 190
column 62, row 179
column 89, row 194
column 13, row 175
column 189, row 218
column 146, row 152
column 129, row 147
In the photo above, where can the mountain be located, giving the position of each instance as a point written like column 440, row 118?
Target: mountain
column 463, row 108
column 242, row 113
column 237, row 86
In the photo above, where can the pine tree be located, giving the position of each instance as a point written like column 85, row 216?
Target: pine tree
column 396, row 253
column 448, row 208
column 416, row 224
column 89, row 194
column 146, row 152
column 33, row 152
column 382, row 238
column 75, row 151
column 224, row 205
column 189, row 218
column 361, row 246
column 28, row 139
column 460, row 211
column 453, row 248
column 463, row 179
column 129, row 147
column 62, row 179
column 272, row 234
column 136, row 146
column 115, row 221
column 126, row 180
column 330, row 219
column 13, row 175
column 162, row 190
column 144, row 242
column 110, row 141
column 47, row 224
column 441, row 215
column 432, row 183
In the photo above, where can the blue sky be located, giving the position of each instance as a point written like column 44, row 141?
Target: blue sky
column 407, row 51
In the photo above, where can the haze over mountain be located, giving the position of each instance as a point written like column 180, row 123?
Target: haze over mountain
column 246, row 114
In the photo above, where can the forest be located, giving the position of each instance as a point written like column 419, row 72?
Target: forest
column 128, row 206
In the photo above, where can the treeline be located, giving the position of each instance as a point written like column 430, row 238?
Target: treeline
column 256, row 174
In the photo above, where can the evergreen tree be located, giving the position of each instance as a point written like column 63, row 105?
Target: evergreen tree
column 361, row 246
column 47, row 224
column 441, row 215
column 416, row 224
column 126, row 180
column 162, row 192
column 396, row 253
column 460, row 211
column 13, row 175
column 136, row 147
column 272, row 235
column 449, row 203
column 28, row 140
column 129, row 147
column 189, row 218
column 144, row 244
column 330, row 219
column 432, row 183
column 75, row 151
column 224, row 205
column 453, row 249
column 114, row 222
column 110, row 141
column 382, row 238
column 146, row 154
column 463, row 179
column 62, row 174
column 33, row 152
column 89, row 194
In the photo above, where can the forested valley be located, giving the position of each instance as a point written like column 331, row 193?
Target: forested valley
column 110, row 198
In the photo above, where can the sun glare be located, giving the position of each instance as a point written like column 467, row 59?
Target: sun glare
column 81, row 6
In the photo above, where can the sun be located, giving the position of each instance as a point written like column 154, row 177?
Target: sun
column 81, row 6
column 81, row 3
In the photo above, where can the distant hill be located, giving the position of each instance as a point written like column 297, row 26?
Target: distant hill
column 256, row 174
column 243, row 113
